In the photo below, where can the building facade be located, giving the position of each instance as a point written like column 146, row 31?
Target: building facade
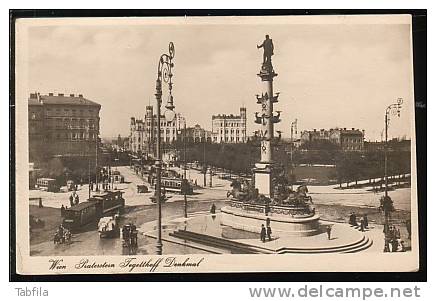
column 62, row 126
column 197, row 134
column 143, row 132
column 230, row 128
column 347, row 139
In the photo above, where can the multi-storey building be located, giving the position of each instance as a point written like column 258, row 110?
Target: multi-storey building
column 197, row 134
column 347, row 139
column 62, row 126
column 230, row 128
column 143, row 132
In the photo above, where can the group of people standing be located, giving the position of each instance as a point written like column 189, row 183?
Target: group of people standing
column 74, row 199
column 62, row 235
column 362, row 224
column 393, row 241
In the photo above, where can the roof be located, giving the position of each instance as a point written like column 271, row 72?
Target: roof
column 82, row 206
column 78, row 100
column 46, row 179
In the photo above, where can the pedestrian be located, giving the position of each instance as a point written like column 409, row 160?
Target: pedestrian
column 268, row 232
column 386, row 247
column 213, row 209
column 402, row 246
column 362, row 225
column 394, row 245
column 62, row 210
column 365, row 220
column 262, row 233
column 71, row 200
column 267, row 208
column 61, row 233
column 397, row 233
column 408, row 227
column 329, row 231
column 76, row 198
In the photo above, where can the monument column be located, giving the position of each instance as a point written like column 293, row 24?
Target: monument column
column 263, row 172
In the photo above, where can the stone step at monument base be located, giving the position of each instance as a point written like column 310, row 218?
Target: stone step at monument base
column 217, row 242
column 355, row 247
column 244, row 248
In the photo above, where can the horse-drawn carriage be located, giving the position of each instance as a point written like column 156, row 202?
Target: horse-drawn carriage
column 142, row 188
column 62, row 236
column 129, row 235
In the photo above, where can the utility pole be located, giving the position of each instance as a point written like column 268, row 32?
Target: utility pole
column 293, row 128
column 204, row 160
column 96, row 162
column 185, row 181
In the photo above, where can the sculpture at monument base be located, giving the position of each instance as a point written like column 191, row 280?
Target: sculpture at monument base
column 301, row 204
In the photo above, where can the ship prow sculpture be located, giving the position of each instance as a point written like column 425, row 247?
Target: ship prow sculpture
column 267, row 199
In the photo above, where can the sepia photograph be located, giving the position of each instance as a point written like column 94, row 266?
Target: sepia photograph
column 210, row 144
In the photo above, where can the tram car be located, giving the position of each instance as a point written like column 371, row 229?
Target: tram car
column 174, row 185
column 47, row 184
column 93, row 209
column 117, row 178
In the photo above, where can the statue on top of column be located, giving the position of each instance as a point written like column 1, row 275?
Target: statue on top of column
column 268, row 51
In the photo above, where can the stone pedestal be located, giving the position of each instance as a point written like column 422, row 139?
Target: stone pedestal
column 263, row 175
column 282, row 222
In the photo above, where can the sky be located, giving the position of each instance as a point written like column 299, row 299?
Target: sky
column 329, row 75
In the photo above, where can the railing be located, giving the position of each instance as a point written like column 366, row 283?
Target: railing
column 294, row 211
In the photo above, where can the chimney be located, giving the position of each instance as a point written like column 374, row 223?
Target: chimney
column 60, row 94
column 80, row 95
column 71, row 95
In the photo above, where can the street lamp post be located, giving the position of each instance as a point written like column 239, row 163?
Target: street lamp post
column 185, row 181
column 163, row 73
column 387, row 203
column 96, row 163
